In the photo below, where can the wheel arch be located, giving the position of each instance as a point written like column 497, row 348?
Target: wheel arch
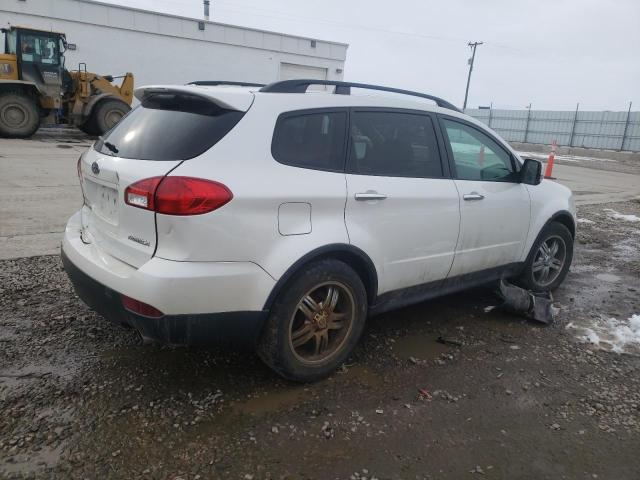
column 94, row 101
column 29, row 89
column 562, row 217
column 565, row 218
column 352, row 256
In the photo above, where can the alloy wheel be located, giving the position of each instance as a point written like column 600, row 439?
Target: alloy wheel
column 549, row 260
column 321, row 322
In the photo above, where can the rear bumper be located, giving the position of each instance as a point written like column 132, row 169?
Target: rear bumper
column 236, row 328
column 204, row 302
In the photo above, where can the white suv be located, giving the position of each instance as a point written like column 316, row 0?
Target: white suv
column 282, row 219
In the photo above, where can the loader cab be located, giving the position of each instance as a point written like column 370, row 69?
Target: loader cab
column 39, row 56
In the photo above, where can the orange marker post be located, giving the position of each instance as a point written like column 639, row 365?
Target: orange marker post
column 552, row 156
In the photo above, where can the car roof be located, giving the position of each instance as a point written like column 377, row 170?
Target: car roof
column 241, row 97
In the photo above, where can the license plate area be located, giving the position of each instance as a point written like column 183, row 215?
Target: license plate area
column 103, row 201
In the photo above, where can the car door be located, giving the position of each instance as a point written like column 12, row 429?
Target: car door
column 494, row 206
column 402, row 207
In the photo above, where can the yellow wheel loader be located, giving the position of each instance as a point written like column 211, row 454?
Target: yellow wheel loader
column 35, row 87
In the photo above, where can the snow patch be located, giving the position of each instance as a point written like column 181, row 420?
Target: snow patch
column 611, row 334
column 621, row 216
column 585, row 220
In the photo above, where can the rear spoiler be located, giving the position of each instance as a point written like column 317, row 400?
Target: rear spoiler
column 229, row 99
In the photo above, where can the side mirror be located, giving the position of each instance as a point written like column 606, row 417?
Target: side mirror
column 531, row 172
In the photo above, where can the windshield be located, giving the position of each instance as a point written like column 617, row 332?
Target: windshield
column 168, row 126
column 39, row 48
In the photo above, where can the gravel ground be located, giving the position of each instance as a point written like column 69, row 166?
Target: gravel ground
column 505, row 398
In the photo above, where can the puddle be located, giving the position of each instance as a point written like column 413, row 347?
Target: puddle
column 25, row 464
column 278, row 401
column 16, row 377
column 608, row 277
column 422, row 347
column 360, row 373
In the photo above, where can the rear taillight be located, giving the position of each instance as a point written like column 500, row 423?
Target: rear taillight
column 141, row 194
column 177, row 195
column 140, row 308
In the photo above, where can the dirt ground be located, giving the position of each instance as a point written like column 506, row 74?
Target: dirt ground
column 81, row 398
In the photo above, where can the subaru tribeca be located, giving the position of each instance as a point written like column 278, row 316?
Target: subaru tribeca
column 282, row 219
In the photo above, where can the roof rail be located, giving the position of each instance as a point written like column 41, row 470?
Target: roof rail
column 211, row 83
column 344, row 88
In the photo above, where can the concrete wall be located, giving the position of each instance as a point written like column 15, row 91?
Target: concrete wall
column 160, row 48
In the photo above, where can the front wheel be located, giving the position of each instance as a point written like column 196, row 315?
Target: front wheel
column 549, row 260
column 315, row 322
column 19, row 115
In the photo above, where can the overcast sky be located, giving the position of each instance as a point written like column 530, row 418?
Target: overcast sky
column 552, row 53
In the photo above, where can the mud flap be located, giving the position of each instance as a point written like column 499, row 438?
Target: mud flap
column 536, row 306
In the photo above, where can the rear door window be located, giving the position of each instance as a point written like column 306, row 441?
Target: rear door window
column 314, row 140
column 394, row 144
column 169, row 126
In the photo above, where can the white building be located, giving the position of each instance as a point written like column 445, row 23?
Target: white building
column 161, row 48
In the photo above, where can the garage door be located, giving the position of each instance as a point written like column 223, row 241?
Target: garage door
column 291, row 71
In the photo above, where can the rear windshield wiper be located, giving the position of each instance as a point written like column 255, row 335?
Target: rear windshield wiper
column 110, row 146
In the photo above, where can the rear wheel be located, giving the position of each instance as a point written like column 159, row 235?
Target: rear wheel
column 19, row 115
column 89, row 127
column 315, row 322
column 107, row 113
column 549, row 260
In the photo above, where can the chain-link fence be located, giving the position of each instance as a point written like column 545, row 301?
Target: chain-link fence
column 603, row 130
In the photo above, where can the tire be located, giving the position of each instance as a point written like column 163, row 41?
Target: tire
column 331, row 330
column 540, row 259
column 19, row 115
column 107, row 113
column 89, row 127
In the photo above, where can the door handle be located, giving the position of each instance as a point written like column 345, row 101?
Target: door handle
column 370, row 195
column 473, row 196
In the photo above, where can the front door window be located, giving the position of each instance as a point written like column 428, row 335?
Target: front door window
column 476, row 155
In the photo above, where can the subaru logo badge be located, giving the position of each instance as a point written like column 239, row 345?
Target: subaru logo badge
column 95, row 168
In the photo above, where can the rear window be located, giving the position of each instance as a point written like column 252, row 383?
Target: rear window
column 394, row 144
column 311, row 140
column 168, row 126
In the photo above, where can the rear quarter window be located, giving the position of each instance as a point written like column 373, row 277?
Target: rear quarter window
column 313, row 140
column 169, row 126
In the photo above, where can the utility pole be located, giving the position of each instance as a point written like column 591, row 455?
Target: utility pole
column 473, row 46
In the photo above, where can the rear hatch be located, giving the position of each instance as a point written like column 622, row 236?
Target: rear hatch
column 170, row 126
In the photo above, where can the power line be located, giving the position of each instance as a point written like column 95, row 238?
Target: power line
column 238, row 9
column 473, row 46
